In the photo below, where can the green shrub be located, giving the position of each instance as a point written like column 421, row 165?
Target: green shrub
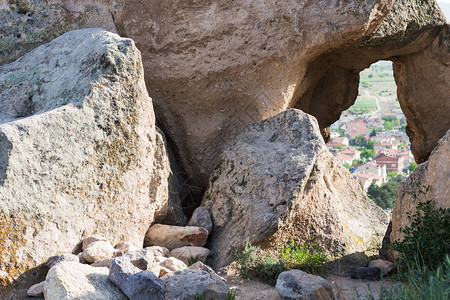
column 427, row 239
column 307, row 257
column 256, row 263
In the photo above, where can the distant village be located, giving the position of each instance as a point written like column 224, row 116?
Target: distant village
column 374, row 147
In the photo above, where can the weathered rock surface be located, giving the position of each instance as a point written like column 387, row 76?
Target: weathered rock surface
column 172, row 237
column 307, row 193
column 53, row 260
column 240, row 63
column 201, row 218
column 190, row 254
column 71, row 280
column 79, row 152
column 98, row 250
column 135, row 283
column 423, row 83
column 296, row 284
column 188, row 284
column 202, row 267
column 434, row 174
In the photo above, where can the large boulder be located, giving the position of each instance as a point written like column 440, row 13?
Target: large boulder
column 72, row 280
column 278, row 182
column 79, row 151
column 296, row 284
column 214, row 68
column 433, row 175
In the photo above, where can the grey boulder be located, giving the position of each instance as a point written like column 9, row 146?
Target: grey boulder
column 296, row 284
column 201, row 218
column 72, row 280
column 135, row 283
column 276, row 182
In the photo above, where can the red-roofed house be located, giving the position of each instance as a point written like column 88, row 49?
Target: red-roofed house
column 392, row 162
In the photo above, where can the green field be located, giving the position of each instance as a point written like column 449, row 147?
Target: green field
column 377, row 80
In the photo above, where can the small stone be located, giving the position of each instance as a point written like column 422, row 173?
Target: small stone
column 158, row 251
column 173, row 237
column 144, row 260
column 135, row 283
column 52, row 261
column 72, row 280
column 201, row 218
column 91, row 239
column 104, row 263
column 36, row 290
column 188, row 284
column 190, row 254
column 385, row 266
column 296, row 284
column 366, row 273
column 126, row 247
column 99, row 250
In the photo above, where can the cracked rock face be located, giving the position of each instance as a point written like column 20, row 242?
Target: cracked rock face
column 277, row 182
column 79, row 150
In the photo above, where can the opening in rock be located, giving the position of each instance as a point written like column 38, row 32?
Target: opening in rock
column 370, row 139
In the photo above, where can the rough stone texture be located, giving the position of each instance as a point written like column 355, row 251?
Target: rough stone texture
column 366, row 273
column 434, row 174
column 92, row 239
column 144, row 259
column 52, row 261
column 172, row 237
column 201, row 218
column 98, row 251
column 36, row 290
column 71, row 280
column 158, row 251
column 345, row 265
column 296, row 284
column 79, row 152
column 385, row 266
column 187, row 284
column 190, row 254
column 307, row 193
column 423, row 83
column 135, row 283
column 27, row 24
